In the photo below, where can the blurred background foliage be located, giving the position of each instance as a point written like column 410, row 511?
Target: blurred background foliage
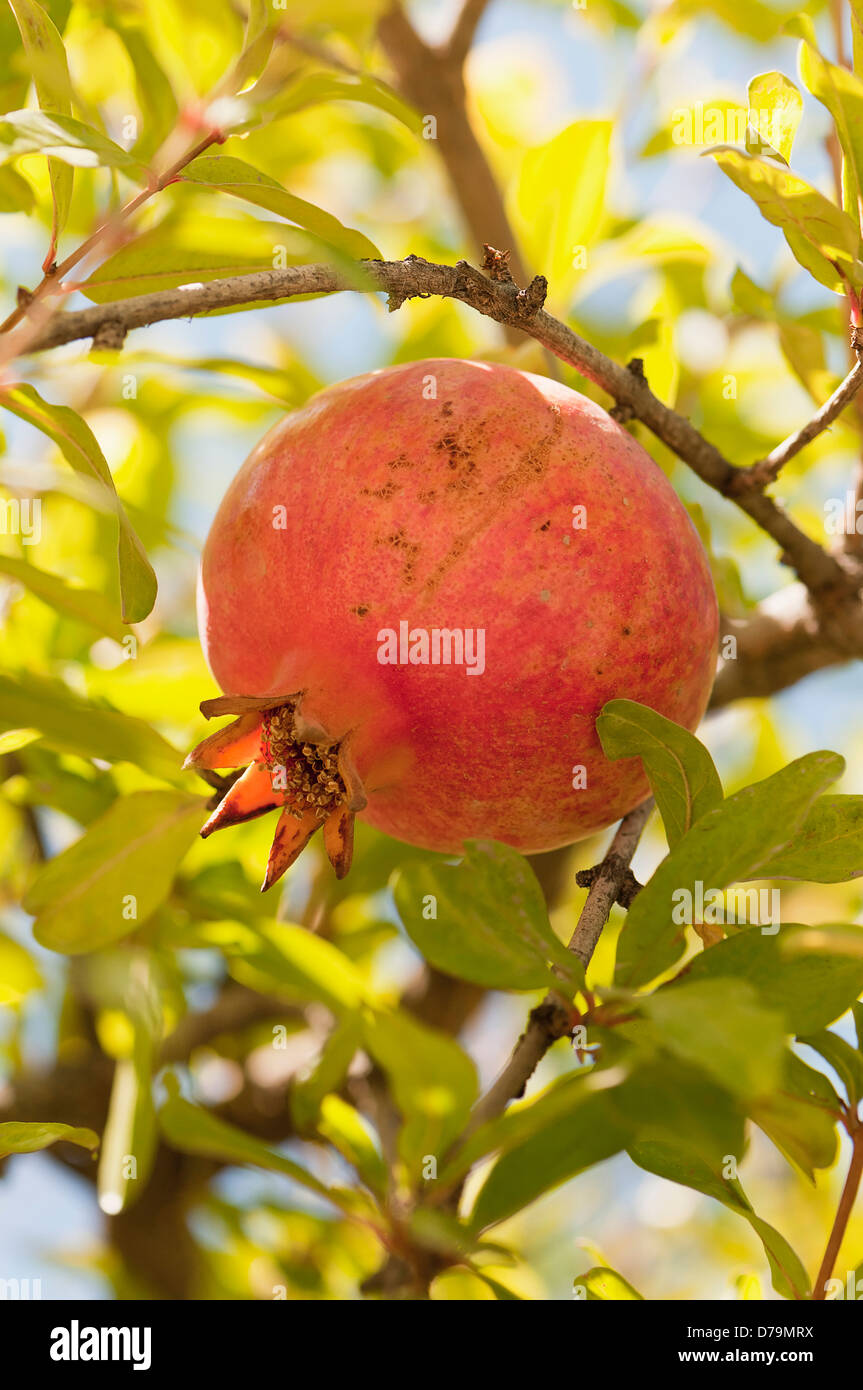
column 649, row 252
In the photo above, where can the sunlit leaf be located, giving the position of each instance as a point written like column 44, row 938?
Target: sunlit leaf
column 483, row 919
column 80, row 448
column 604, row 1285
column 841, row 92
column 788, row 1274
column 821, row 236
column 61, row 137
column 27, row 1138
column 809, row 987
column 775, row 111
column 727, row 845
column 73, row 725
column 434, row 1083
column 112, row 879
column 83, row 605
column 19, row 974
column 49, row 69
column 828, row 848
column 679, row 768
column 559, row 197
column 241, row 180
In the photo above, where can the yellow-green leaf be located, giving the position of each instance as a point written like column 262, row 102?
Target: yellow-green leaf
column 775, row 110
column 27, row 1138
column 112, row 879
column 80, row 448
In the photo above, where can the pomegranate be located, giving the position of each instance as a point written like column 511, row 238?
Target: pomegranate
column 417, row 595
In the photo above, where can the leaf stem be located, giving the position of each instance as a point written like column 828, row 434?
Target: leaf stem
column 843, row 1213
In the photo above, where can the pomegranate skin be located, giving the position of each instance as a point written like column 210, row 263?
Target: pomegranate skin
column 442, row 493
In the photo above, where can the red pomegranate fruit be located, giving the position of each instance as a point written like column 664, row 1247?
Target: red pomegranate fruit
column 417, row 595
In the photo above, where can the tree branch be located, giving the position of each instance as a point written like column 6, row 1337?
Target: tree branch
column 552, row 1019
column 432, row 80
column 464, row 30
column 828, row 578
column 843, row 1213
column 768, row 469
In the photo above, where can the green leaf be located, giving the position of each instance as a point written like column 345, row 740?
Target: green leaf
column 434, row 1084
column 810, row 988
column 21, row 1138
column 344, row 1128
column 193, row 1130
column 153, row 89
column 775, row 111
column 112, row 879
column 79, row 447
column 308, row 1092
column 295, row 964
column 857, row 34
column 46, row 57
column 721, row 1027
column 800, row 1127
column 843, row 1058
column 488, row 923
column 674, row 1102
column 560, row 194
column 73, row 725
column 16, row 195
column 751, row 298
column 460, row 1285
column 828, row 848
column 261, row 28
column 727, row 845
column 18, row 973
column 129, row 1140
column 842, row 94
column 821, row 236
column 61, row 137
column 183, row 250
column 789, row 1276
column 590, row 1134
column 241, row 180
column 84, row 605
column 679, row 768
column 604, row 1285
column 312, row 88
column 520, row 1122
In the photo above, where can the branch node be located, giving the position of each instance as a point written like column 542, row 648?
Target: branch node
column 111, row 334
column 623, row 412
column 530, row 300
column 496, row 263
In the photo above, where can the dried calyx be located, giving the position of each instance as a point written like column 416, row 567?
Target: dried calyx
column 292, row 764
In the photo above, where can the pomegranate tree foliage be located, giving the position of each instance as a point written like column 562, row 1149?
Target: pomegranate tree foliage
column 334, row 1038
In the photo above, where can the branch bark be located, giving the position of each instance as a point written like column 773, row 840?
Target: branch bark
column 432, row 80
column 767, row 470
column 843, row 1214
column 829, row 579
column 552, row 1019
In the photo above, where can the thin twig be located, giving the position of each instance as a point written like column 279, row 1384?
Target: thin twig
column 552, row 1019
column 51, row 280
column 843, row 1213
column 768, row 469
column 464, row 30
